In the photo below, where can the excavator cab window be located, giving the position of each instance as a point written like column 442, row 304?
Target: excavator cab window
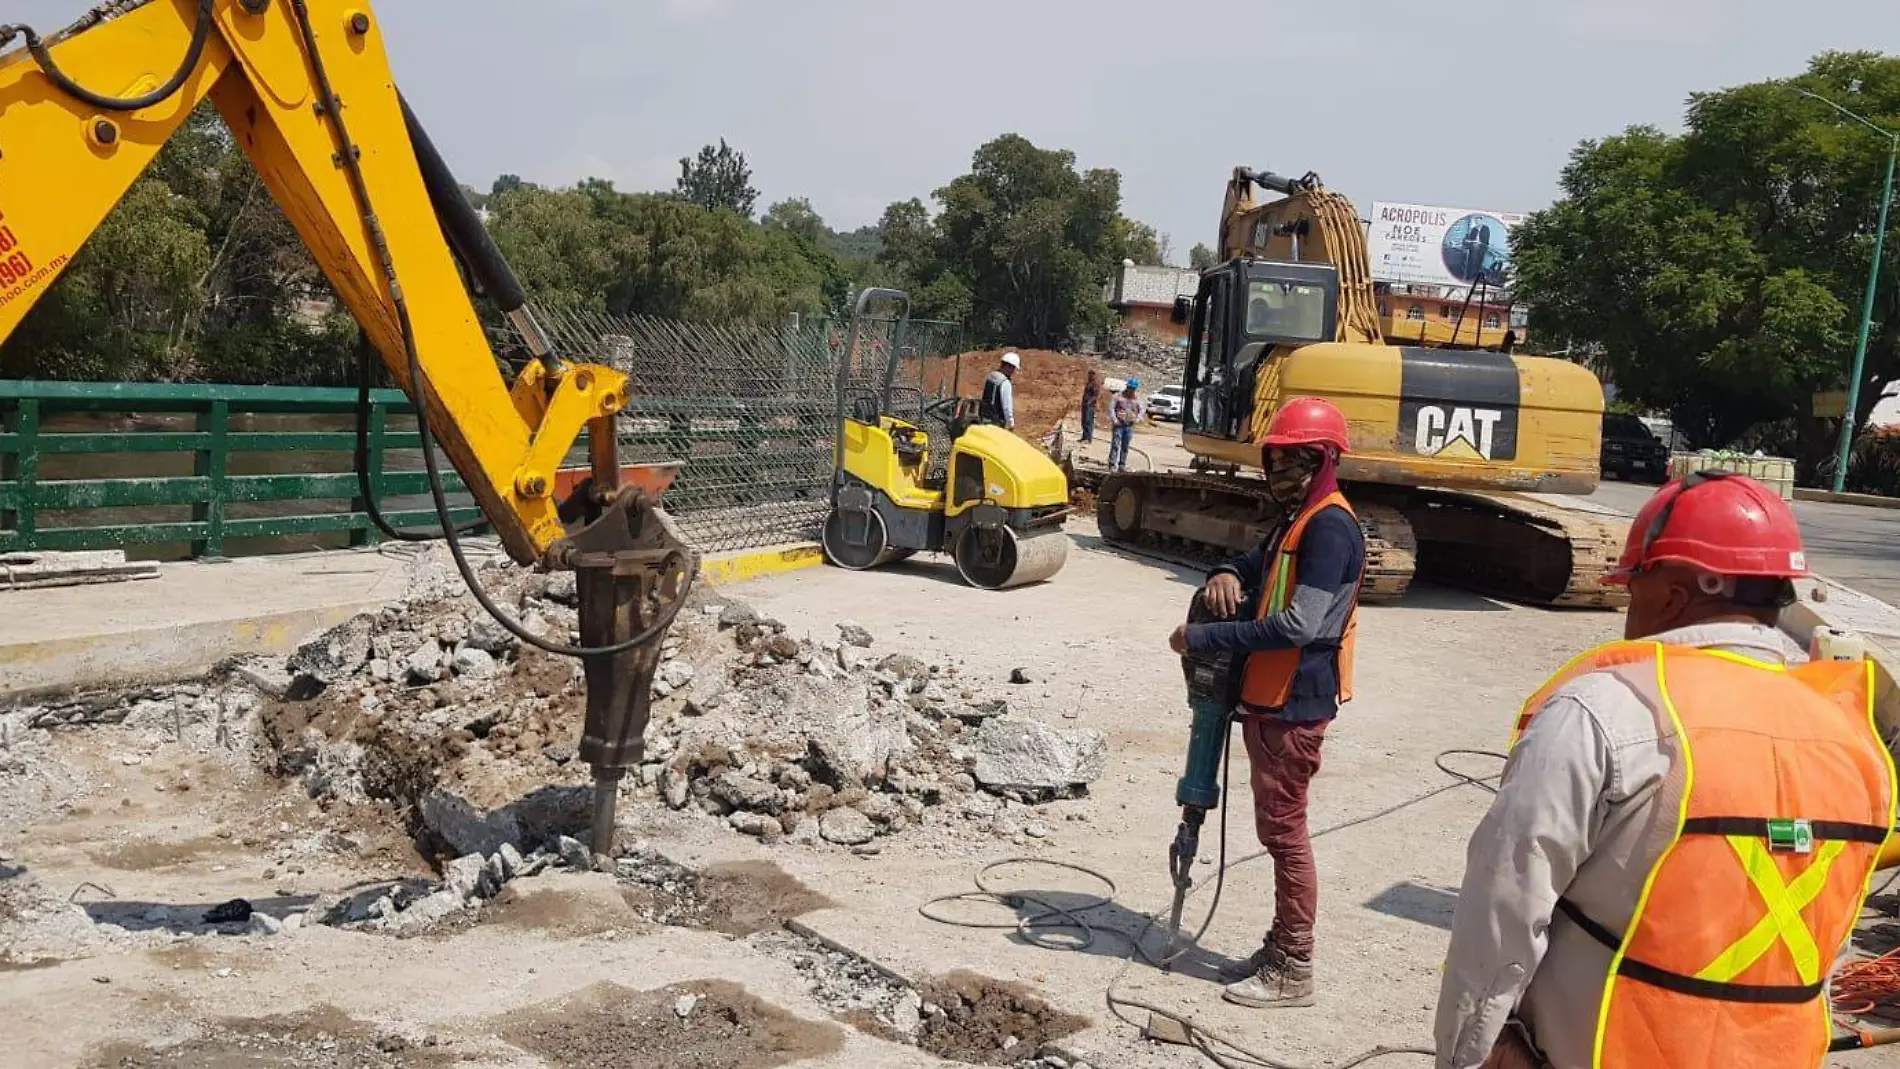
column 1247, row 312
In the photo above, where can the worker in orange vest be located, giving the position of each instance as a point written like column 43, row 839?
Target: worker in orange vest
column 1302, row 586
column 1686, row 826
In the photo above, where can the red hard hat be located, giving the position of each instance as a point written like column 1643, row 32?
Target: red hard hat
column 1307, row 421
column 1721, row 523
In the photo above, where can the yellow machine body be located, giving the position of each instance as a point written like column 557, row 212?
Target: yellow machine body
column 995, row 503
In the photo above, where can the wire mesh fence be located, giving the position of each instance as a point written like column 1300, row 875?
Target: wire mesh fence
column 749, row 412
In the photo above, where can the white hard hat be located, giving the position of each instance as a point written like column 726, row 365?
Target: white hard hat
column 1012, row 360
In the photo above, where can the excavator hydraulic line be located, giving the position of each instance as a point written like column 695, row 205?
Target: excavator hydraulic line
column 470, row 240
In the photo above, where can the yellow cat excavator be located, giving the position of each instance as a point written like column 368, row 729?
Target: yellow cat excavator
column 306, row 89
column 1462, row 458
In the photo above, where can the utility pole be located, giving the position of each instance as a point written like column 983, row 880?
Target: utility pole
column 1873, row 285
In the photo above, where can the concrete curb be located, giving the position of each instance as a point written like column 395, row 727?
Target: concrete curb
column 1872, row 501
column 728, row 568
column 163, row 654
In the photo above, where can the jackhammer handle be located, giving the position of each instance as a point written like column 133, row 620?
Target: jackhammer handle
column 1861, row 1040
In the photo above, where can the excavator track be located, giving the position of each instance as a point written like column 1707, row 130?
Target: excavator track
column 1517, row 547
column 1200, row 520
column 1527, row 548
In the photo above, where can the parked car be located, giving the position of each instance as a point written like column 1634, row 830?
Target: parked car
column 1165, row 403
column 1631, row 451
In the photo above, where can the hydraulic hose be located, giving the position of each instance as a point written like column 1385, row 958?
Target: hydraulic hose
column 363, row 488
column 359, row 187
column 43, row 55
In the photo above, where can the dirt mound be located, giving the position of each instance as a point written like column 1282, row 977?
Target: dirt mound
column 320, row 1039
column 971, row 1018
column 1047, row 387
column 707, row 1024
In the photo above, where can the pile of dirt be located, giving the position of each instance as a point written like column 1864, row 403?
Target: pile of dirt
column 1046, row 388
column 961, row 1017
column 706, row 1023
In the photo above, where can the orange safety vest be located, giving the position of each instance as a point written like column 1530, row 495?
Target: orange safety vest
column 1267, row 680
column 1782, row 794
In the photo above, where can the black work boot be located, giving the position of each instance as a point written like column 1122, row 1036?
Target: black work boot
column 1280, row 981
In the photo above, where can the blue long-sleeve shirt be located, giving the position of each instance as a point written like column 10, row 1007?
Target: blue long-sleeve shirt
column 1332, row 558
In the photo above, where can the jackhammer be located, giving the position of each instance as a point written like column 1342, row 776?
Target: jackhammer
column 1213, row 688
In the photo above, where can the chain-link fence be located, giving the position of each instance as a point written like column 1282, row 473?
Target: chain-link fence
column 749, row 412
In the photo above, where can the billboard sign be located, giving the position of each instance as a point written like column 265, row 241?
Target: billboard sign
column 1423, row 244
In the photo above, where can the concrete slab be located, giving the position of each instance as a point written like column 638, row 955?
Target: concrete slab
column 184, row 622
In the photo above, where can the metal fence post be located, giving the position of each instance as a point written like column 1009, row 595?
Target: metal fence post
column 212, row 462
column 22, row 470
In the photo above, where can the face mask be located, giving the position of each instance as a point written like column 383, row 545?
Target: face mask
column 1289, row 473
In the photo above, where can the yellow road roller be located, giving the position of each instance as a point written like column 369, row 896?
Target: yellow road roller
column 995, row 503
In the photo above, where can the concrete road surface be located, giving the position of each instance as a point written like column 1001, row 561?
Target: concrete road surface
column 1849, row 544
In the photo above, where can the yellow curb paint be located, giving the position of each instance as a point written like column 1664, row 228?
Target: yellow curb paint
column 756, row 564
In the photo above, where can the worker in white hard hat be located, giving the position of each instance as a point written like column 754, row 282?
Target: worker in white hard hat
column 998, row 406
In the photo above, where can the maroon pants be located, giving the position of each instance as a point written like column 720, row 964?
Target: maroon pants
column 1285, row 758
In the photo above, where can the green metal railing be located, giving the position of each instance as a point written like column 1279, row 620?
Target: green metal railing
column 87, row 465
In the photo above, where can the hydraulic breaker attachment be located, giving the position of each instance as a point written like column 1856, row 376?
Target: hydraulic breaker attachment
column 630, row 569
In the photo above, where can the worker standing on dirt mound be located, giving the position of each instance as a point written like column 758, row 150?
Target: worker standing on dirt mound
column 1687, row 824
column 998, row 406
column 1303, row 587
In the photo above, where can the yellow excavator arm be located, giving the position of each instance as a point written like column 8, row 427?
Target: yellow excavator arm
column 306, row 89
column 84, row 113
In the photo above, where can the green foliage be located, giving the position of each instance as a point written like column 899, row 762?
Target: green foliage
column 1200, row 257
column 718, row 178
column 1020, row 248
column 195, row 275
column 1721, row 271
column 659, row 254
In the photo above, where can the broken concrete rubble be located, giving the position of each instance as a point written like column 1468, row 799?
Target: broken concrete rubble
column 1031, row 760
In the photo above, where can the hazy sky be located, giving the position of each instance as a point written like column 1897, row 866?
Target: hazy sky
column 855, row 104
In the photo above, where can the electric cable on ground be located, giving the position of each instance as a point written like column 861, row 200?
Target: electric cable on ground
column 359, row 187
column 1216, row 1047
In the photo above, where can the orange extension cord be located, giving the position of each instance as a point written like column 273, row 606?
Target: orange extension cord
column 1862, row 986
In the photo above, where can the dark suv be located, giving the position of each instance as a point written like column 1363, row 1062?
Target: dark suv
column 1631, row 452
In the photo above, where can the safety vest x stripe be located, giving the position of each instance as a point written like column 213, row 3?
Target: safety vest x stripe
column 1783, row 922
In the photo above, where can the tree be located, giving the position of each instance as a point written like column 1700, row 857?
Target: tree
column 797, row 217
column 1144, row 246
column 1200, row 257
column 1720, row 271
column 718, row 178
column 1020, row 248
column 194, row 275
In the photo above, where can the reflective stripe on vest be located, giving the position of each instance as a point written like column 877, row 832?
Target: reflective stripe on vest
column 1267, row 680
column 1782, row 793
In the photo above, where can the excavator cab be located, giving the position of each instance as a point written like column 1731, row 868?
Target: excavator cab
column 1245, row 313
